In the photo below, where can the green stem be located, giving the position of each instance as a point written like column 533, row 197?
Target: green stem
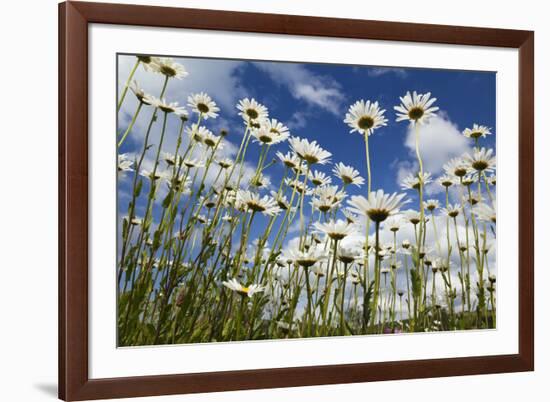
column 131, row 125
column 125, row 89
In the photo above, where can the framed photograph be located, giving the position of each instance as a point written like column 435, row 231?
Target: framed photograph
column 259, row 200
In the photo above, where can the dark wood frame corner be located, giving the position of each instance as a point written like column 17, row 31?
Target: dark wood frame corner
column 74, row 17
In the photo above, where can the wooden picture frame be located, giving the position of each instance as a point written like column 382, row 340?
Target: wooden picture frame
column 74, row 381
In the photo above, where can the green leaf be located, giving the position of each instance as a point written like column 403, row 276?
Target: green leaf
column 137, row 189
column 168, row 199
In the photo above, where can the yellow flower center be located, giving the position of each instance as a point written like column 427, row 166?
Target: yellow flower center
column 203, row 108
column 252, row 113
column 255, row 206
column 378, row 215
column 460, row 172
column 145, row 59
column 336, row 235
column 312, row 159
column 416, row 113
column 265, row 138
column 347, row 179
column 366, row 122
column 210, row 142
column 166, row 108
column 480, row 165
column 306, row 263
column 167, row 70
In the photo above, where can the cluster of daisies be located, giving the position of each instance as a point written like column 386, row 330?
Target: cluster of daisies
column 211, row 250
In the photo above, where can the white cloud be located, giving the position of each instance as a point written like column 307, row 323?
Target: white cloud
column 404, row 169
column 440, row 140
column 304, row 85
column 215, row 77
column 378, row 71
column 298, row 120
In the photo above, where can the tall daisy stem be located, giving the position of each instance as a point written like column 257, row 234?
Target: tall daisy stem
column 125, row 89
column 131, row 125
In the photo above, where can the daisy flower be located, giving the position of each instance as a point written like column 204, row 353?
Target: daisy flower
column 301, row 169
column 290, row 160
column 170, row 159
column 348, row 174
column 331, row 193
column 203, row 105
column 197, row 134
column 140, row 93
column 182, row 114
column 446, row 181
column 249, row 291
column 251, row 110
column 227, row 218
column 297, row 185
column 468, row 180
column 178, row 183
column 347, row 254
column 472, row 199
column 168, row 67
column 417, row 108
column 252, row 201
column 311, row 152
column 149, row 174
column 452, row 210
column 481, row 159
column 319, row 271
column 276, row 127
column 264, row 135
column 412, row 182
column 281, row 199
column 378, row 206
column 211, row 140
column 457, row 167
column 136, row 221
column 193, row 163
column 476, row 131
column 394, row 223
column 318, row 178
column 323, row 204
column 396, row 264
column 261, row 181
column 441, row 264
column 413, row 216
column 308, row 257
column 336, row 230
column 365, row 117
column 124, row 163
column 146, row 62
column 431, row 205
column 203, row 220
column 426, row 251
column 350, row 216
column 167, row 107
column 208, row 203
column 225, row 163
column 485, row 212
